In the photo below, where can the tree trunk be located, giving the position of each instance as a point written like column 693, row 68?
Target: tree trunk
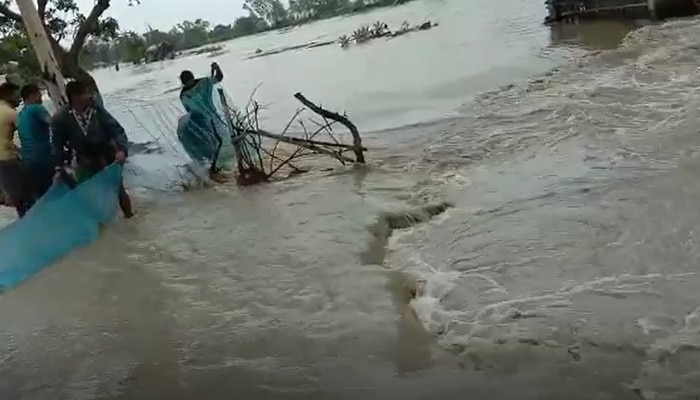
column 41, row 42
column 32, row 17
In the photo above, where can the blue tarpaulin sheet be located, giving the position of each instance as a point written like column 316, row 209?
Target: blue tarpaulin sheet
column 204, row 124
column 62, row 220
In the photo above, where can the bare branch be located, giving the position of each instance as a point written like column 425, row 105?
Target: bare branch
column 41, row 8
column 329, row 128
column 293, row 140
column 284, row 132
column 306, row 132
column 7, row 12
column 309, row 144
column 309, row 139
column 293, row 155
column 257, row 120
column 88, row 27
column 287, row 161
column 292, row 166
column 248, row 139
column 289, row 124
column 252, row 96
column 340, row 118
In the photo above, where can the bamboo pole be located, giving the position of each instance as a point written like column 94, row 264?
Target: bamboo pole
column 51, row 72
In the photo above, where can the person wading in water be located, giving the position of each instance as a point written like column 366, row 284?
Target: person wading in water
column 33, row 127
column 12, row 178
column 202, row 119
column 188, row 80
column 93, row 135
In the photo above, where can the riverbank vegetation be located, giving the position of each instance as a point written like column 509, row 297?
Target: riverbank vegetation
column 97, row 41
column 381, row 29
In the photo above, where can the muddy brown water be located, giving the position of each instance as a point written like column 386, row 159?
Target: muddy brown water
column 566, row 265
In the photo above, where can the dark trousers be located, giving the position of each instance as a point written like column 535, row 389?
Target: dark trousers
column 87, row 171
column 15, row 185
column 40, row 177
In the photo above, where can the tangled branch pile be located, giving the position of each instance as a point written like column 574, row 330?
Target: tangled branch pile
column 262, row 154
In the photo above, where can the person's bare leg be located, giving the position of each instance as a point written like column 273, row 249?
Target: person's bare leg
column 125, row 202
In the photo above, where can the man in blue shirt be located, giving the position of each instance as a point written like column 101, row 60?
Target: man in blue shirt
column 34, row 127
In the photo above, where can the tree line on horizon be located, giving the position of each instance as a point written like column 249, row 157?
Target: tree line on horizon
column 109, row 45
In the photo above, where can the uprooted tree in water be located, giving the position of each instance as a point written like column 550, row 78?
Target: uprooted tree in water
column 306, row 142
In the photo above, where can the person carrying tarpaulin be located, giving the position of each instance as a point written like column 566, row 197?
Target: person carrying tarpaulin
column 209, row 134
column 202, row 131
column 92, row 134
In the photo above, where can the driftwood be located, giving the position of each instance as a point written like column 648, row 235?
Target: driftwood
column 248, row 135
column 357, row 140
column 308, row 144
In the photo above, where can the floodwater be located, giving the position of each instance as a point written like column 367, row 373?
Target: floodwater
column 565, row 267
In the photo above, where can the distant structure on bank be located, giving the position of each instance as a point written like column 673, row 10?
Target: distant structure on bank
column 160, row 51
column 576, row 10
